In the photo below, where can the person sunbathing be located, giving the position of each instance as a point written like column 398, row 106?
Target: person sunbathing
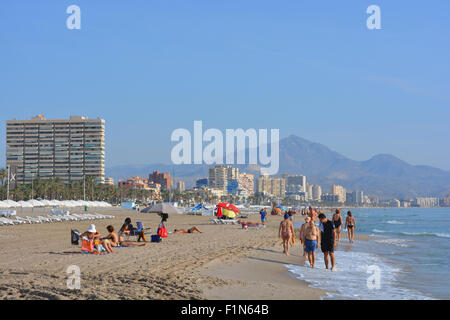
column 191, row 230
column 125, row 243
column 93, row 235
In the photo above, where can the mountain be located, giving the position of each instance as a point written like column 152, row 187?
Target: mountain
column 383, row 175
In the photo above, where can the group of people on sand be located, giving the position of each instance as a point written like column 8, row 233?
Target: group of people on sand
column 327, row 234
column 119, row 239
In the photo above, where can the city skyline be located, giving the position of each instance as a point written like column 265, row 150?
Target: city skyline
column 315, row 71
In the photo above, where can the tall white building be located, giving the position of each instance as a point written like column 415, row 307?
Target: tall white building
column 67, row 149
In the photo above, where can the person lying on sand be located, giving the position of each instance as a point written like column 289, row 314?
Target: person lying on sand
column 191, row 230
column 123, row 242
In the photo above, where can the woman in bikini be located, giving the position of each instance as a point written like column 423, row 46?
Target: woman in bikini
column 350, row 225
column 191, row 230
column 120, row 235
column 285, row 232
column 337, row 221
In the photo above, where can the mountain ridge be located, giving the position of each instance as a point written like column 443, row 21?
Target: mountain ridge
column 383, row 175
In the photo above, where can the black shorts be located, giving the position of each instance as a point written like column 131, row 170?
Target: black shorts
column 327, row 247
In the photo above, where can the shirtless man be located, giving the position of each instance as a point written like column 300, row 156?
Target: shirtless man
column 302, row 231
column 311, row 238
column 285, row 232
column 312, row 213
column 191, row 230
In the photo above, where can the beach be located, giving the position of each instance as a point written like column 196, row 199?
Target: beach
column 35, row 259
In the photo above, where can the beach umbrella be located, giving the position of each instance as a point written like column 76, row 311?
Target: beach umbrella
column 229, row 213
column 228, row 206
column 161, row 208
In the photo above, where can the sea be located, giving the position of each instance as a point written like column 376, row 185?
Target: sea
column 406, row 257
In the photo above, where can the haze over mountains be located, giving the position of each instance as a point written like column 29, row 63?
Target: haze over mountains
column 383, row 175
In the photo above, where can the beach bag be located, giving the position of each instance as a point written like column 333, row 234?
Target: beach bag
column 87, row 245
column 156, row 238
column 74, row 237
column 162, row 231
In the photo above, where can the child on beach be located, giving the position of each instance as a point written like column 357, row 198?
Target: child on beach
column 263, row 214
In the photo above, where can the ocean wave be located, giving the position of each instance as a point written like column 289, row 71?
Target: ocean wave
column 396, row 242
column 394, row 222
column 417, row 234
column 350, row 281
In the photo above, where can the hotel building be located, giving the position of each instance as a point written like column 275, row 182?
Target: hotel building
column 66, row 149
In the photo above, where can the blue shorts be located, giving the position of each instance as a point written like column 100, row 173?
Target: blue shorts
column 310, row 245
column 263, row 219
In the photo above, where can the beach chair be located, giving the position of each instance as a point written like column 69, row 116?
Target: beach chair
column 54, row 218
column 215, row 221
column 32, row 220
column 44, row 219
column 6, row 221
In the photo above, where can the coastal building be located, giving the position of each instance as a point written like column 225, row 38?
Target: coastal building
column 162, row 178
column 426, row 202
column 220, row 175
column 201, row 183
column 246, row 182
column 316, row 192
column 109, row 181
column 68, row 149
column 298, row 181
column 340, row 192
column 135, row 182
column 333, row 198
column 271, row 186
column 446, row 201
column 181, row 186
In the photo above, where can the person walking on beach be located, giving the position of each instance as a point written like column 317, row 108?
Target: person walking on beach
column 350, row 225
column 311, row 238
column 285, row 232
column 337, row 221
column 263, row 214
column 302, row 232
column 328, row 240
column 312, row 213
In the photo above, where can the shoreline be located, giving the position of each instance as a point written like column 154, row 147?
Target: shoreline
column 223, row 262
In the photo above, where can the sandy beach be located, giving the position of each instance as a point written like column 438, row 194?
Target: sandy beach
column 224, row 262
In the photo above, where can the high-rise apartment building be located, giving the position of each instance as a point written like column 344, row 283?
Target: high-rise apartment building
column 340, row 192
column 181, row 186
column 271, row 186
column 162, row 178
column 316, row 192
column 220, row 175
column 247, row 182
column 66, row 149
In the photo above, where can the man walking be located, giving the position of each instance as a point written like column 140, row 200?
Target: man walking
column 328, row 240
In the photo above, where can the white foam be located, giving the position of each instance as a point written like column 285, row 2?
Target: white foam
column 394, row 222
column 350, row 281
column 396, row 242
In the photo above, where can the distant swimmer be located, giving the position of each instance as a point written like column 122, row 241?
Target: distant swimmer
column 350, row 225
column 337, row 221
column 286, row 232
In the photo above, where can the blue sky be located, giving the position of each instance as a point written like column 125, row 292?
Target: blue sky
column 309, row 68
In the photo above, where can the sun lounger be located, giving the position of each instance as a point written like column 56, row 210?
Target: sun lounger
column 6, row 221
column 7, row 213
